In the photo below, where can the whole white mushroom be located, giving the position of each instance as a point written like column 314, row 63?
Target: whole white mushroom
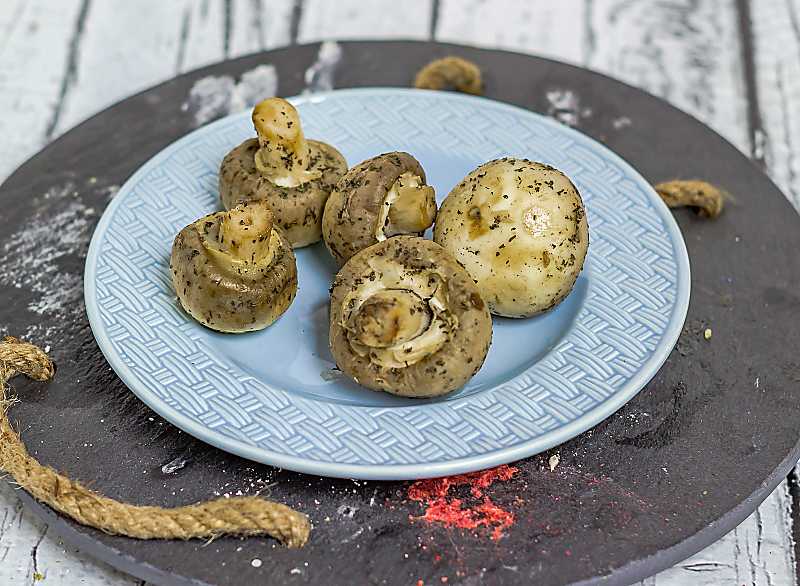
column 519, row 228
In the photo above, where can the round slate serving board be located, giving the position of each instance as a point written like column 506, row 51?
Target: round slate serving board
column 683, row 463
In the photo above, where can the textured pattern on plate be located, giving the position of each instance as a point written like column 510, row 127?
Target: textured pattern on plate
column 634, row 305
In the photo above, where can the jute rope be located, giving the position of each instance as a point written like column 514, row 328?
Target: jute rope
column 234, row 516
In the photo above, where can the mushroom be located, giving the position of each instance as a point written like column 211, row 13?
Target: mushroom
column 450, row 72
column 233, row 271
column 704, row 197
column 519, row 228
column 381, row 197
column 293, row 175
column 407, row 319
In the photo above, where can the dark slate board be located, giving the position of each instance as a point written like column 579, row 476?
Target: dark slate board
column 683, row 463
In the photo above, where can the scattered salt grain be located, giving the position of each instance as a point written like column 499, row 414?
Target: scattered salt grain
column 564, row 106
column 621, row 122
column 174, row 465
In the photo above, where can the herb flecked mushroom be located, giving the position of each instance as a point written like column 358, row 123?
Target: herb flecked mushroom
column 520, row 230
column 379, row 198
column 233, row 271
column 293, row 175
column 450, row 72
column 407, row 319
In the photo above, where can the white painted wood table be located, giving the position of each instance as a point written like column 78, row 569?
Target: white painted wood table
column 735, row 65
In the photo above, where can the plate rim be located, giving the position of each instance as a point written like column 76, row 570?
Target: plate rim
column 463, row 464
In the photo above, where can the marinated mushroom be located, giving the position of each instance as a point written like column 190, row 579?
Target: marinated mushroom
column 379, row 198
column 407, row 319
column 520, row 230
column 450, row 73
column 233, row 271
column 293, row 175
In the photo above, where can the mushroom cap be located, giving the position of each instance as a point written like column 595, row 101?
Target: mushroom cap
column 226, row 295
column 519, row 229
column 298, row 210
column 356, row 205
column 378, row 295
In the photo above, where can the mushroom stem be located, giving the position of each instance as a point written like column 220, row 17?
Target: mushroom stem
column 412, row 206
column 284, row 156
column 245, row 232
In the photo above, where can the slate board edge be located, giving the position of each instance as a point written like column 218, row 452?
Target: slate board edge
column 626, row 574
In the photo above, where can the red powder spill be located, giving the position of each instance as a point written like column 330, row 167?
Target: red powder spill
column 451, row 512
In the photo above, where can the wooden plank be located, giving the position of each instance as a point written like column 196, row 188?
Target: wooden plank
column 549, row 29
column 776, row 35
column 754, row 553
column 775, row 29
column 258, row 25
column 685, row 52
column 171, row 37
column 35, row 38
column 688, row 53
column 114, row 63
column 30, row 555
column 355, row 19
column 205, row 34
column 639, row 52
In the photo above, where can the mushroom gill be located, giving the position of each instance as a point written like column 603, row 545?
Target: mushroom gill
column 407, row 319
column 399, row 320
column 409, row 208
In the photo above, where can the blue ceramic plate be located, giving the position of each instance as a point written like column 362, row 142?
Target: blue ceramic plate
column 272, row 396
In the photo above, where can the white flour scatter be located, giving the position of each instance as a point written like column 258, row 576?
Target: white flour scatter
column 347, row 511
column 565, row 106
column 216, row 96
column 209, row 98
column 319, row 77
column 33, row 258
column 61, row 291
column 111, row 191
column 760, row 143
column 353, row 536
column 621, row 122
column 258, row 83
column 252, row 482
